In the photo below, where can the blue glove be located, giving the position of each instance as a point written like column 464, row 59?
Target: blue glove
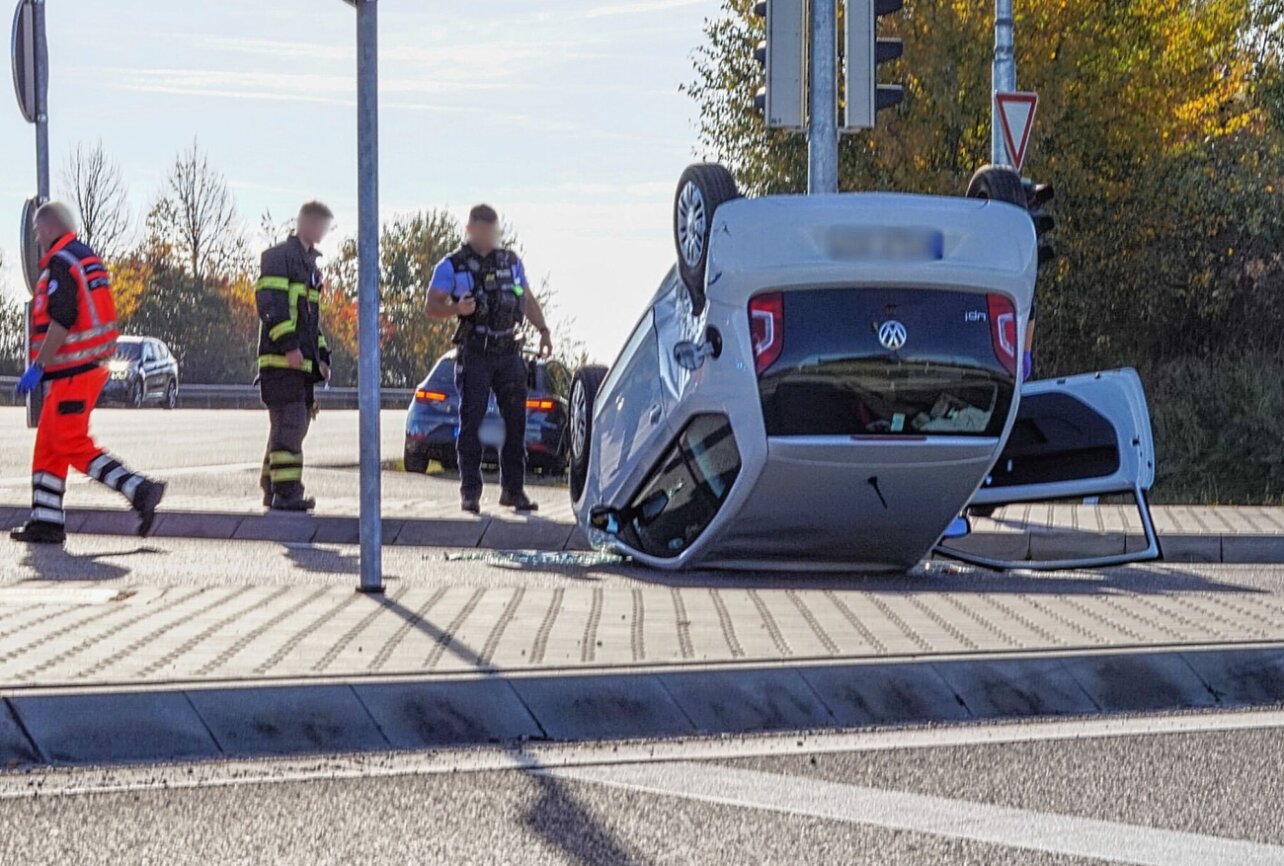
column 1027, row 365
column 30, row 379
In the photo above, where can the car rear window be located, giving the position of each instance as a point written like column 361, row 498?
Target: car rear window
column 887, row 362
column 443, row 373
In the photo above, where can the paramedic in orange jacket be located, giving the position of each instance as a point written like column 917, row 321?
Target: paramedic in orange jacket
column 73, row 324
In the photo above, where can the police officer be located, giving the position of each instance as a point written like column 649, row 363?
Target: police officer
column 73, row 331
column 293, row 355
column 486, row 288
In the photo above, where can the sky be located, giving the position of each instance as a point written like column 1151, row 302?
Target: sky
column 565, row 115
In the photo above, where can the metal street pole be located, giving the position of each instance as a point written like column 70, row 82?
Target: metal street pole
column 1004, row 78
column 369, row 366
column 40, row 74
column 822, row 130
column 42, row 101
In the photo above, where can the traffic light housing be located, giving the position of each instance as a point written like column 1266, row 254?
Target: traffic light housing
column 864, row 52
column 1038, row 196
column 782, row 100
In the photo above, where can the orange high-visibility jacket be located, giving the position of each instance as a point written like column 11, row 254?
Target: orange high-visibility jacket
column 75, row 291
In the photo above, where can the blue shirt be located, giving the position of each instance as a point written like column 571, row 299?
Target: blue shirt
column 460, row 284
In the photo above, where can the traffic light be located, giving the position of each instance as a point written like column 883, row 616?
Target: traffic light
column 1037, row 197
column 782, row 100
column 865, row 51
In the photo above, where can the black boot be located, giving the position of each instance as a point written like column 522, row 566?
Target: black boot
column 296, row 503
column 518, row 501
column 470, row 502
column 146, row 498
column 39, row 532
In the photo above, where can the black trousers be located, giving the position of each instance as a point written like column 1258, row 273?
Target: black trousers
column 477, row 374
column 289, row 404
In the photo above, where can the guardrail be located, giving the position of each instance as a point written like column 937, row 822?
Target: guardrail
column 192, row 396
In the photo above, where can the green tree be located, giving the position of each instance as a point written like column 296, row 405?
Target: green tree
column 1161, row 124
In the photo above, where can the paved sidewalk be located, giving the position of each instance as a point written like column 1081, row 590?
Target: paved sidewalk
column 78, row 634
column 1035, row 532
column 208, row 649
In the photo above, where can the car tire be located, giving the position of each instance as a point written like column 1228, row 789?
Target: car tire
column 138, row 394
column 584, row 388
column 171, row 396
column 998, row 182
column 416, row 461
column 702, row 189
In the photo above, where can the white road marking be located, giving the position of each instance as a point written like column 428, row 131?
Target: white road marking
column 62, row 781
column 959, row 819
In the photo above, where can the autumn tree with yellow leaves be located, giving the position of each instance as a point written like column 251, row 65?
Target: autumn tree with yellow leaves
column 1161, row 125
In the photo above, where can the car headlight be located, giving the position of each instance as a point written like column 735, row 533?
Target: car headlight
column 116, row 365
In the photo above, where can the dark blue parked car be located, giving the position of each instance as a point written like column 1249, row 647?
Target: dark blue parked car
column 432, row 424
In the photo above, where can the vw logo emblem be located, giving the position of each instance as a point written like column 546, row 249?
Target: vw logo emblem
column 892, row 335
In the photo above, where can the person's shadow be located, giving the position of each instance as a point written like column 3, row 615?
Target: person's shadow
column 52, row 562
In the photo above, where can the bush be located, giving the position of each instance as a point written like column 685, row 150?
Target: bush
column 1219, row 430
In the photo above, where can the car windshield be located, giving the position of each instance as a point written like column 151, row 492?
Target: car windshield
column 129, row 351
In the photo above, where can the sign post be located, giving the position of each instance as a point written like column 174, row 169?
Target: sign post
column 822, row 131
column 1004, row 76
column 30, row 55
column 368, row 300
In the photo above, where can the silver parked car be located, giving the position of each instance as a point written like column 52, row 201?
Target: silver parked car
column 827, row 382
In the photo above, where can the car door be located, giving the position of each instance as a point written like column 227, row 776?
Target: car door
column 676, row 325
column 148, row 367
column 630, row 415
column 1076, row 437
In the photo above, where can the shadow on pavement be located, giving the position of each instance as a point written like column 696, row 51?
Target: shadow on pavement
column 52, row 562
column 563, row 823
column 322, row 561
column 446, row 640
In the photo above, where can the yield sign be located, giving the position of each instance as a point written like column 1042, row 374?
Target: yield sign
column 1016, row 119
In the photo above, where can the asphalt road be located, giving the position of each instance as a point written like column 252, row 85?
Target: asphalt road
column 212, row 461
column 1208, row 798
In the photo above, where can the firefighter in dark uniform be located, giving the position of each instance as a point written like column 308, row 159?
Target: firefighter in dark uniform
column 73, row 332
column 486, row 288
column 293, row 356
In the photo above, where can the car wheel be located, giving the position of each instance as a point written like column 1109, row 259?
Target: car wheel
column 702, row 189
column 171, row 395
column 997, row 182
column 584, row 388
column 416, row 461
column 137, row 395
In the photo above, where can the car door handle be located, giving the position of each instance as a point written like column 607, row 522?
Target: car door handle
column 657, row 412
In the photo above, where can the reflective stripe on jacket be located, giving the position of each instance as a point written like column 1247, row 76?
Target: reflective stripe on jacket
column 71, row 266
column 288, row 297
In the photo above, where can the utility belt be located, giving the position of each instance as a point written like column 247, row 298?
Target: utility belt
column 478, row 339
column 490, row 344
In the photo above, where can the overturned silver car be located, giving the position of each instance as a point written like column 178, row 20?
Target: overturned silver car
column 827, row 382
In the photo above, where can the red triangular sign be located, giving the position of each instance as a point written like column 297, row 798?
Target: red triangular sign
column 1016, row 119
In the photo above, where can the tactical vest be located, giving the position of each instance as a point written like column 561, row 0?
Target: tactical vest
column 500, row 297
column 92, row 338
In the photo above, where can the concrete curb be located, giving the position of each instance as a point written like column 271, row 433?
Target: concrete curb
column 76, row 728
column 536, row 533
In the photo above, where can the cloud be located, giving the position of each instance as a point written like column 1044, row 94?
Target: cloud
column 641, row 7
